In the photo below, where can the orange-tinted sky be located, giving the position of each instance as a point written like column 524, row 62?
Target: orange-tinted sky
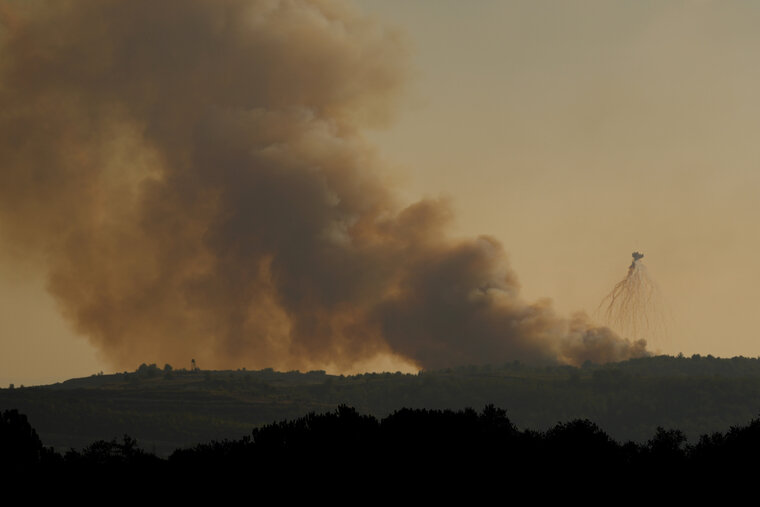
column 573, row 132
column 577, row 132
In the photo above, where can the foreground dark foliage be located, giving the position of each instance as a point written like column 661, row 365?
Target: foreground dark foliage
column 408, row 449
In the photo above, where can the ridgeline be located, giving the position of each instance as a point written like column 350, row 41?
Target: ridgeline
column 167, row 409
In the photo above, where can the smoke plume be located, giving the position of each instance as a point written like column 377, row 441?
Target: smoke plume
column 193, row 177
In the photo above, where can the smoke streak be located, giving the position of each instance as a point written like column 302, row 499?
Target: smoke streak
column 193, row 176
column 634, row 306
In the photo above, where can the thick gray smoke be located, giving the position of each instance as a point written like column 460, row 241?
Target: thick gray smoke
column 192, row 176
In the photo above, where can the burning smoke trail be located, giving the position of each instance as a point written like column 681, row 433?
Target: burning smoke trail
column 634, row 306
column 192, row 176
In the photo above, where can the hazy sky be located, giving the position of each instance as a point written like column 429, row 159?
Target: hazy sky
column 577, row 132
column 574, row 133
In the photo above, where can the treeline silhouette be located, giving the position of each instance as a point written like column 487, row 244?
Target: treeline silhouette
column 409, row 446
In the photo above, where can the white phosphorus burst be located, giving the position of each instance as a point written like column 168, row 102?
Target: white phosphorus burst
column 634, row 308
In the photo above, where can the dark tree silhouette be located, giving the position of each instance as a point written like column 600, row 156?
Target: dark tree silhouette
column 20, row 447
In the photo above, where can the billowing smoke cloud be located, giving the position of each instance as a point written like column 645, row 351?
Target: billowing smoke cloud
column 193, row 177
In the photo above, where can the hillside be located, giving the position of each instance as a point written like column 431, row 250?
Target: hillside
column 167, row 409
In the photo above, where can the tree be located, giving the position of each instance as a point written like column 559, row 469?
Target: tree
column 20, row 447
column 667, row 445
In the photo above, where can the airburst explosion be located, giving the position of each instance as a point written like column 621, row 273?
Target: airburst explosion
column 634, row 307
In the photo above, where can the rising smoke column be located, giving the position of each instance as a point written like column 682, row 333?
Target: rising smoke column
column 192, row 176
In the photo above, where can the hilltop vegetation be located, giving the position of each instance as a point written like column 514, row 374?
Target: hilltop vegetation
column 166, row 409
